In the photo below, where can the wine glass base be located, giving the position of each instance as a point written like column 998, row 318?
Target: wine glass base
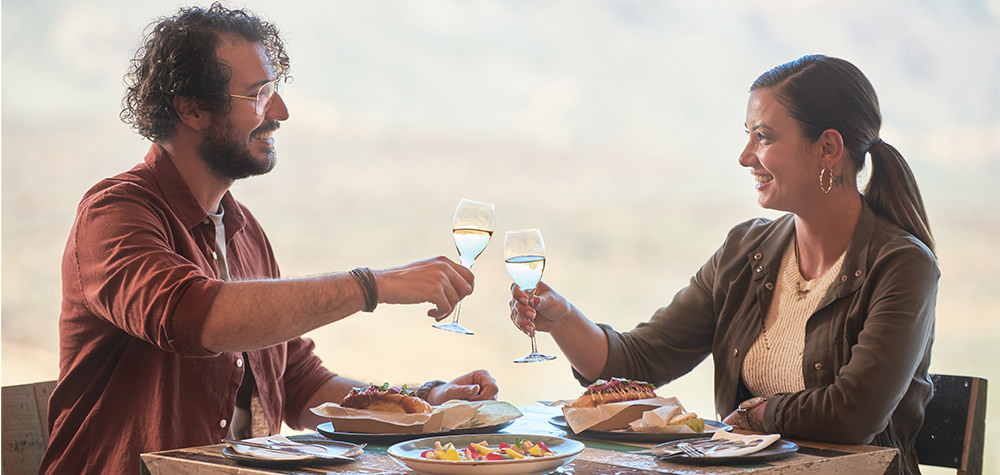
column 453, row 327
column 534, row 357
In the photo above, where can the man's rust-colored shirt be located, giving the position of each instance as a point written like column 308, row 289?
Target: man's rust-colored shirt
column 139, row 275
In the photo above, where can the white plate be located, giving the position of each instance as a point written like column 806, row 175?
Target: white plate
column 408, row 454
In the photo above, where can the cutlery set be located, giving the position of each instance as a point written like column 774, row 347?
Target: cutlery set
column 301, row 449
column 697, row 448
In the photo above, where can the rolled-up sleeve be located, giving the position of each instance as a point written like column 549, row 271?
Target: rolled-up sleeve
column 135, row 274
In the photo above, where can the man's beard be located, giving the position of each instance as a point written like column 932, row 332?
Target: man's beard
column 229, row 157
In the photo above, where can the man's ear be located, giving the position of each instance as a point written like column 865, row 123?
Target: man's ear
column 191, row 114
column 831, row 147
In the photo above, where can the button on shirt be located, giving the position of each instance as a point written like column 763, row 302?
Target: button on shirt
column 138, row 280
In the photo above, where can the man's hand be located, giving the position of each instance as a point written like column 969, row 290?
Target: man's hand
column 475, row 386
column 439, row 280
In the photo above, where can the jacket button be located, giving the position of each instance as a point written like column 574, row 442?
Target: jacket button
column 758, row 256
column 843, row 278
column 857, row 273
column 736, row 352
column 758, row 269
column 239, row 362
column 222, row 423
column 818, row 366
column 769, row 286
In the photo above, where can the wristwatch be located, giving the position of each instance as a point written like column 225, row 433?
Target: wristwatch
column 743, row 411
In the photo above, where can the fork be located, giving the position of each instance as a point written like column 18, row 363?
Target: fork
column 691, row 450
column 683, row 449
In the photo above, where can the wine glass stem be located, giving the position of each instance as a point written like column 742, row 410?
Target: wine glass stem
column 458, row 306
column 531, row 303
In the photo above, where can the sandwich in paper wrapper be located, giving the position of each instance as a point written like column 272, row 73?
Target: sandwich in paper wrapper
column 621, row 404
column 451, row 415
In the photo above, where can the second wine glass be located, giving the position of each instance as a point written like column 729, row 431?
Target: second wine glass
column 524, row 256
column 472, row 229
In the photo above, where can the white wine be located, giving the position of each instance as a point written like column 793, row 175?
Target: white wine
column 526, row 270
column 471, row 243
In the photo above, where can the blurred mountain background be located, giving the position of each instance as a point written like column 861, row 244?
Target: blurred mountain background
column 613, row 126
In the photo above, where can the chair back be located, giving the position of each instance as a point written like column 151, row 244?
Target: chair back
column 25, row 428
column 954, row 424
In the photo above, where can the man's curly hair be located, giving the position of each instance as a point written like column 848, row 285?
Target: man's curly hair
column 178, row 58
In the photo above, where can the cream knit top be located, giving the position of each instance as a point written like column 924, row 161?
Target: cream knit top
column 774, row 363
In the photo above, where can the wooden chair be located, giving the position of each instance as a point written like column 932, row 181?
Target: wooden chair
column 25, row 428
column 954, row 424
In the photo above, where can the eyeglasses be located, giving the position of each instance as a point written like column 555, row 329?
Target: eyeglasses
column 264, row 94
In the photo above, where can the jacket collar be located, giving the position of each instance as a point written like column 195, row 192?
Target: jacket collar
column 181, row 200
column 765, row 258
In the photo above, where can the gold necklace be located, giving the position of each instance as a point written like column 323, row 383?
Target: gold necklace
column 800, row 293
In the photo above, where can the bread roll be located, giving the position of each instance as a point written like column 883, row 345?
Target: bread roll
column 616, row 390
column 385, row 398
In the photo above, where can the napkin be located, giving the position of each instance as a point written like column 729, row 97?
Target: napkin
column 265, row 454
column 757, row 442
column 657, row 420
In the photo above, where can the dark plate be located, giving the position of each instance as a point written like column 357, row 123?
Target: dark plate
column 630, row 436
column 326, row 429
column 778, row 450
column 302, row 461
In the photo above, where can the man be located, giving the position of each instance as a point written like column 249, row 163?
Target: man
column 175, row 329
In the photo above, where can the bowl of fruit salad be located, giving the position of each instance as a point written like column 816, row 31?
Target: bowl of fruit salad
column 486, row 454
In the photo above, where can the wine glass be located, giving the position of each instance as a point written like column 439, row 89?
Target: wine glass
column 472, row 229
column 524, row 256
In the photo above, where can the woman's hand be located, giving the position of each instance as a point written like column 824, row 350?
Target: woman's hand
column 543, row 313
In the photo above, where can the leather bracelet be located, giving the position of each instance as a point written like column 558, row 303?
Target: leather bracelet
column 366, row 279
column 425, row 390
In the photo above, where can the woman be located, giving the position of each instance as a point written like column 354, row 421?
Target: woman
column 820, row 322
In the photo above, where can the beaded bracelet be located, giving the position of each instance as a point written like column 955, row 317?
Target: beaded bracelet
column 366, row 278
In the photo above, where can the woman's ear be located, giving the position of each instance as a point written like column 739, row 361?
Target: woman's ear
column 191, row 114
column 831, row 147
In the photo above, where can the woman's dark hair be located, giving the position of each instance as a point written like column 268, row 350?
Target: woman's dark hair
column 178, row 58
column 824, row 93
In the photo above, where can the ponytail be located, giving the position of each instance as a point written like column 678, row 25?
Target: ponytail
column 893, row 193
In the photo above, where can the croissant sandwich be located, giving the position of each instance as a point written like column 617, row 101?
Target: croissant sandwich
column 385, row 398
column 616, row 390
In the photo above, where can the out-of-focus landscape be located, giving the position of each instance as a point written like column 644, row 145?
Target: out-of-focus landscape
column 613, row 126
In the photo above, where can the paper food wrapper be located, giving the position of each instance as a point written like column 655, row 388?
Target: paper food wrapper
column 621, row 415
column 448, row 416
column 656, row 421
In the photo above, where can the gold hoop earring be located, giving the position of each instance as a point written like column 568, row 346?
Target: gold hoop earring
column 826, row 188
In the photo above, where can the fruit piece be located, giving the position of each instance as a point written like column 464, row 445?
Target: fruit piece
column 451, row 454
column 536, row 451
column 481, row 448
column 429, row 454
column 545, row 448
column 513, row 453
column 495, row 456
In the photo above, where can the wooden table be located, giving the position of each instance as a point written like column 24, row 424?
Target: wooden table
column 598, row 458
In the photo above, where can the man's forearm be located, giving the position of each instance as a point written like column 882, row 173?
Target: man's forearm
column 255, row 314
